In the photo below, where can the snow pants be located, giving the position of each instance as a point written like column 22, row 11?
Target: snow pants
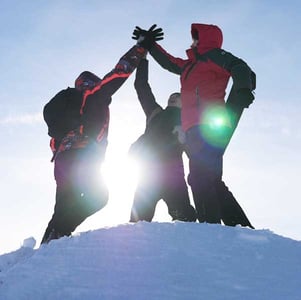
column 166, row 182
column 213, row 200
column 80, row 191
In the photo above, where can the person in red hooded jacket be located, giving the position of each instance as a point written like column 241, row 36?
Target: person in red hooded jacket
column 207, row 122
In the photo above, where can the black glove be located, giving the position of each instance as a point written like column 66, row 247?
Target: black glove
column 245, row 97
column 147, row 38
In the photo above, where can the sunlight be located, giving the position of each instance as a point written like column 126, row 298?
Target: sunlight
column 121, row 174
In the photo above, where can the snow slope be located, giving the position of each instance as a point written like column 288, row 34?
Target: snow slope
column 156, row 261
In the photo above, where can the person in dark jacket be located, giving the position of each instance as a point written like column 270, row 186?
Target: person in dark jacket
column 206, row 121
column 80, row 191
column 159, row 151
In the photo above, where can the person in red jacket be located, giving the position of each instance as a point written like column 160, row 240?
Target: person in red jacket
column 80, row 191
column 207, row 123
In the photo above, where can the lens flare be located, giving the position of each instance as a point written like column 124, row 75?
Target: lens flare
column 215, row 126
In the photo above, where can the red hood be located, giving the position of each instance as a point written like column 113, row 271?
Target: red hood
column 209, row 36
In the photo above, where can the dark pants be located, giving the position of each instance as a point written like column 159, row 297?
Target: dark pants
column 213, row 201
column 232, row 213
column 166, row 183
column 80, row 191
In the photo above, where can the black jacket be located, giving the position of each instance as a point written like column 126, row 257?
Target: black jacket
column 94, row 121
column 160, row 141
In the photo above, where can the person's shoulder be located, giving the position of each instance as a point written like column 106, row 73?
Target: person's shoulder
column 218, row 52
column 69, row 91
column 221, row 58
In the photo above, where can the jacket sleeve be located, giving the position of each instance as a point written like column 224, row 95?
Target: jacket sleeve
column 94, row 109
column 242, row 75
column 144, row 91
column 167, row 61
column 114, row 79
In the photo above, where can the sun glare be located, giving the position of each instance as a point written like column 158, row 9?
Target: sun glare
column 121, row 175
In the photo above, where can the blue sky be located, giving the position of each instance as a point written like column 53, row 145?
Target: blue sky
column 45, row 45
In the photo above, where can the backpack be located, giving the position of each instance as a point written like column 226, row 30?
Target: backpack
column 62, row 112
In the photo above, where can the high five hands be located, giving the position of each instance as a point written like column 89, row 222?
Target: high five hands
column 147, row 38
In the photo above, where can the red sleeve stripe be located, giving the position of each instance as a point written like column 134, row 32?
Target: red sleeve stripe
column 98, row 87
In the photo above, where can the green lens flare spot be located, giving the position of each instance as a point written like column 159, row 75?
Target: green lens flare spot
column 216, row 126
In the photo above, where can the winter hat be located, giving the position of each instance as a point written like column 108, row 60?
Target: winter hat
column 175, row 100
column 86, row 80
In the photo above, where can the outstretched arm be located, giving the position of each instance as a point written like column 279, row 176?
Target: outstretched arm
column 148, row 39
column 144, row 91
column 94, row 109
column 114, row 79
column 167, row 61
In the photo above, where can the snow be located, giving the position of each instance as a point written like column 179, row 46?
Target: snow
column 156, row 261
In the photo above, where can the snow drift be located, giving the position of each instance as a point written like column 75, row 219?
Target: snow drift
column 156, row 261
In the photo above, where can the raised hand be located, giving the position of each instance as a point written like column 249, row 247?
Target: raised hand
column 147, row 38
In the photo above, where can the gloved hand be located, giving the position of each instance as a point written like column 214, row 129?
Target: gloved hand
column 245, row 97
column 147, row 38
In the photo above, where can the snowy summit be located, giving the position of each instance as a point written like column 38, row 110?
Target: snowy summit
column 156, row 261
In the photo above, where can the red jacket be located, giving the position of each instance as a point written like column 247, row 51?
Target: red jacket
column 203, row 81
